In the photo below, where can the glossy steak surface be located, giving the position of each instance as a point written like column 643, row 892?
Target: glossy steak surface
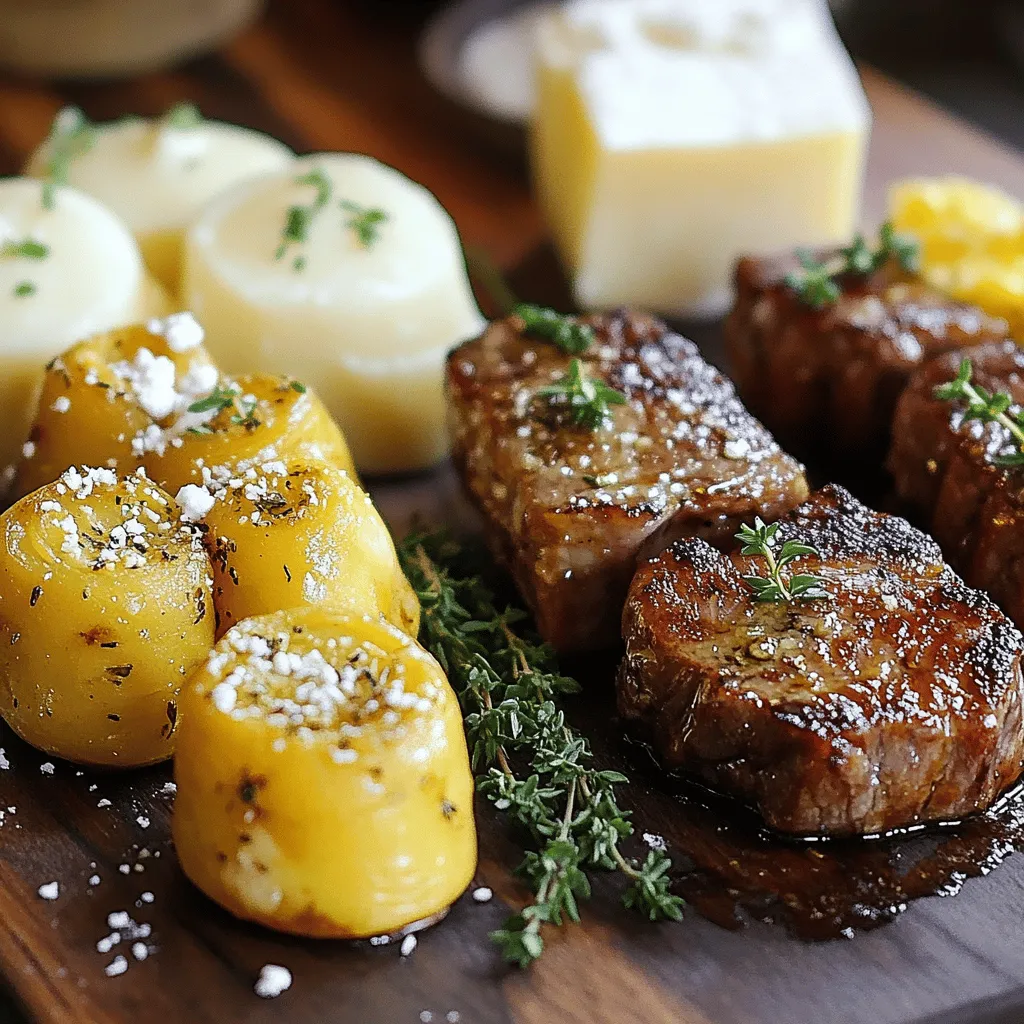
column 567, row 508
column 893, row 702
column 826, row 381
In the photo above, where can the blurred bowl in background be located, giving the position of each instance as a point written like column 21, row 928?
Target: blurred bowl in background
column 113, row 38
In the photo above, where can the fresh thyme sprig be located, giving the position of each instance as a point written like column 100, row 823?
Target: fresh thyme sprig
column 299, row 217
column 588, row 399
column 572, row 337
column 817, row 283
column 71, row 135
column 529, row 763
column 365, row 221
column 988, row 407
column 760, row 540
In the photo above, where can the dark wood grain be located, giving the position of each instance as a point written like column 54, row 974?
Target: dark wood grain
column 329, row 76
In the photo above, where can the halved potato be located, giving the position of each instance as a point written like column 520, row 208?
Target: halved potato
column 105, row 608
column 253, row 416
column 283, row 535
column 99, row 397
column 324, row 786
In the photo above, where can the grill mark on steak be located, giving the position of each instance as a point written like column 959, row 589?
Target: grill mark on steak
column 943, row 469
column 895, row 702
column 829, row 379
column 567, row 509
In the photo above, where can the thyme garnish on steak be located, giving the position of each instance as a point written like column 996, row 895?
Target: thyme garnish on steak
column 528, row 762
column 817, row 282
column 760, row 540
column 980, row 404
column 587, row 400
column 566, row 332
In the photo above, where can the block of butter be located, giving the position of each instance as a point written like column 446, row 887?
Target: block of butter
column 672, row 136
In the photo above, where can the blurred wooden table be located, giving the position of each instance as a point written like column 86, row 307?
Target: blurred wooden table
column 325, row 76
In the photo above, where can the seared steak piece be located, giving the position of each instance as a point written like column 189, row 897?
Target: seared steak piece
column 827, row 380
column 895, row 701
column 567, row 508
column 944, row 468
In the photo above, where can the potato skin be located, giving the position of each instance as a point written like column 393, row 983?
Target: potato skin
column 303, row 533
column 88, row 415
column 287, row 422
column 335, row 820
column 96, row 635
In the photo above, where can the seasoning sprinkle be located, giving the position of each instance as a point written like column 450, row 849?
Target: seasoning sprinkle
column 365, row 221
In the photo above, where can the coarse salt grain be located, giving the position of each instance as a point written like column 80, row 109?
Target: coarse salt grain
column 103, row 803
column 195, row 502
column 482, row 894
column 273, row 980
column 181, row 331
column 4, row 763
column 47, row 768
column 61, row 404
column 28, row 450
column 408, row 945
column 140, row 951
column 49, row 891
column 94, row 880
column 116, row 966
column 143, row 821
column 147, row 897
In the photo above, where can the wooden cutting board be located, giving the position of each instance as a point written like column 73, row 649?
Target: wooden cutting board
column 323, row 76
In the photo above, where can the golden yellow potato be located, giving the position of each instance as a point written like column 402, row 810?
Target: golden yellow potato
column 324, row 786
column 283, row 535
column 100, row 397
column 248, row 417
column 105, row 608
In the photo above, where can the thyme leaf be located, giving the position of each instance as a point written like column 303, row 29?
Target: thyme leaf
column 183, row 116
column 759, row 539
column 572, row 337
column 588, row 399
column 989, row 407
column 817, row 283
column 365, row 221
column 529, row 763
column 299, row 218
column 72, row 134
column 26, row 249
column 216, row 401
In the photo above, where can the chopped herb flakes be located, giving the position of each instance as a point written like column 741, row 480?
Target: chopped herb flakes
column 71, row 136
column 299, row 218
column 365, row 221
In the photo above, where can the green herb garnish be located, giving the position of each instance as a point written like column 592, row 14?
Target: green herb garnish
column 365, row 221
column 528, row 762
column 71, row 135
column 987, row 407
column 589, row 399
column 297, row 385
column 759, row 540
column 216, row 401
column 26, row 249
column 182, row 116
column 299, row 218
column 572, row 337
column 245, row 415
column 23, row 289
column 816, row 283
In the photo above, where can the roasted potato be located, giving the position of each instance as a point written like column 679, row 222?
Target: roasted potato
column 105, row 608
column 324, row 786
column 100, row 397
column 254, row 416
column 283, row 535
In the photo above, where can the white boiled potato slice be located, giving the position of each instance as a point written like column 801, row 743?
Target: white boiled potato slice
column 91, row 279
column 157, row 177
column 366, row 320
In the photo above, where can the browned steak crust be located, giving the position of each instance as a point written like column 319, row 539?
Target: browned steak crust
column 827, row 380
column 942, row 465
column 894, row 702
column 567, row 509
